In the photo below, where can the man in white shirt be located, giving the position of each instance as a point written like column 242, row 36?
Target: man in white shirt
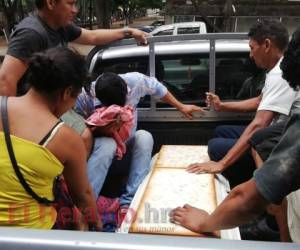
column 268, row 41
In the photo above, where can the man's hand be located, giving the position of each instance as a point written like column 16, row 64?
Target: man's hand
column 210, row 167
column 189, row 217
column 188, row 110
column 139, row 36
column 213, row 100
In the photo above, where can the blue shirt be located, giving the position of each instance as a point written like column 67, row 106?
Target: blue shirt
column 138, row 85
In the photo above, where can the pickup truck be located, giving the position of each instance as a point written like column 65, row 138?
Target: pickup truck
column 189, row 65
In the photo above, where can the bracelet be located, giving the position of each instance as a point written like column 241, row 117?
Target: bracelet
column 127, row 32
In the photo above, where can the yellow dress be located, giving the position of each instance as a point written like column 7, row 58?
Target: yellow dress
column 39, row 168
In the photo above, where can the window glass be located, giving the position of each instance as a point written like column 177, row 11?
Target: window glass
column 181, row 19
column 237, row 77
column 164, row 33
column 186, row 77
column 188, row 30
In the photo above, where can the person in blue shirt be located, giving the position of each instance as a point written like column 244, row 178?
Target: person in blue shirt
column 124, row 89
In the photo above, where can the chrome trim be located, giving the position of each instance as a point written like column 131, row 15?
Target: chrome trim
column 25, row 239
column 212, row 65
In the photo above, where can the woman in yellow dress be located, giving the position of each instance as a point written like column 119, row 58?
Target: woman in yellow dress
column 44, row 147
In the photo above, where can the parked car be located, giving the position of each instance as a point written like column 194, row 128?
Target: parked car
column 145, row 28
column 157, row 23
column 180, row 28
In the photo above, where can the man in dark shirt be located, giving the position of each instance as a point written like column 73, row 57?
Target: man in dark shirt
column 51, row 26
column 278, row 177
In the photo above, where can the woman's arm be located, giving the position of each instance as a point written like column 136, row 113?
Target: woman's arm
column 72, row 152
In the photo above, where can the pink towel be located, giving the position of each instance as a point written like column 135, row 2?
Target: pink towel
column 103, row 116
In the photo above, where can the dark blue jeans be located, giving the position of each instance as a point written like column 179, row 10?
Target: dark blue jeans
column 224, row 139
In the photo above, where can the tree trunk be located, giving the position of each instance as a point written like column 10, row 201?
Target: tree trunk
column 9, row 9
column 103, row 12
column 227, row 14
column 197, row 6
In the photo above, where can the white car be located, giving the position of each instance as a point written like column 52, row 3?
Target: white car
column 180, row 29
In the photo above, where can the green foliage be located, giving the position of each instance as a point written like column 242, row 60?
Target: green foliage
column 137, row 4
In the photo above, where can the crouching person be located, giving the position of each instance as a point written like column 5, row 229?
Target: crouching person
column 43, row 146
column 121, row 90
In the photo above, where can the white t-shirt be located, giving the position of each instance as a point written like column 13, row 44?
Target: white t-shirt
column 277, row 95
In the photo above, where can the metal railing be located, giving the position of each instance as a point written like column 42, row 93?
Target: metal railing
column 151, row 114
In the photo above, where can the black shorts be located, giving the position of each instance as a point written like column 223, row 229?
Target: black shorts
column 265, row 139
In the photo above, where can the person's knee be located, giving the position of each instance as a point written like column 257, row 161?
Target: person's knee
column 144, row 139
column 214, row 148
column 105, row 146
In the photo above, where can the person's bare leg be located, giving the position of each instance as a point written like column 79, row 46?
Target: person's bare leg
column 257, row 159
column 279, row 211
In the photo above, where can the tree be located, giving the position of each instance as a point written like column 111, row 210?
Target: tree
column 132, row 7
column 227, row 13
column 196, row 4
column 14, row 11
column 9, row 8
column 103, row 13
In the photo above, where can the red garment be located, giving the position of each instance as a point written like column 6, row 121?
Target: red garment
column 104, row 116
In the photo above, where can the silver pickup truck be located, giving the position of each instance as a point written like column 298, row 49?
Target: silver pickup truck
column 189, row 65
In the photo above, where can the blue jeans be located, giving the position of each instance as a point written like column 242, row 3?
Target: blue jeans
column 224, row 139
column 136, row 162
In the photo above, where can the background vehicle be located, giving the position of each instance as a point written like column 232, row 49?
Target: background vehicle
column 145, row 28
column 157, row 23
column 180, row 28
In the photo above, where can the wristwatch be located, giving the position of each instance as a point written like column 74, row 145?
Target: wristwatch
column 127, row 32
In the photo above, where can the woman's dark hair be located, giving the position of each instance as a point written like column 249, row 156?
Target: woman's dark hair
column 56, row 69
column 110, row 89
column 290, row 64
column 270, row 29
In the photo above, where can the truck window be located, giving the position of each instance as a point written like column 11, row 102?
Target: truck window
column 188, row 30
column 164, row 33
column 237, row 77
column 186, row 77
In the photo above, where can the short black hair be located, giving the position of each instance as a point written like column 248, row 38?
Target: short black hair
column 40, row 3
column 270, row 29
column 290, row 64
column 111, row 89
column 57, row 69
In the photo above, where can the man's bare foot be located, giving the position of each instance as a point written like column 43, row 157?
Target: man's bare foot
column 189, row 217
